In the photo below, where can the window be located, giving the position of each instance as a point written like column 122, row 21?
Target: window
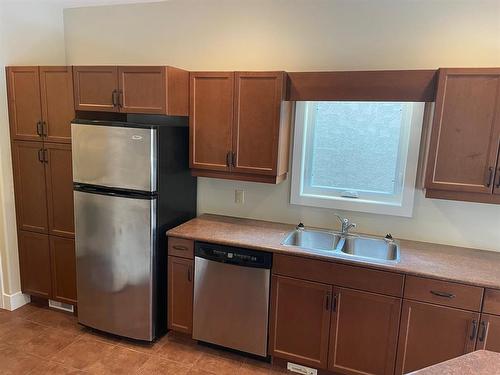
column 358, row 156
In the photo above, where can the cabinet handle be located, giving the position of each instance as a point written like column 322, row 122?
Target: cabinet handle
column 442, row 294
column 228, row 158
column 327, row 303
column 489, row 181
column 44, row 128
column 180, row 247
column 482, row 335
column 40, row 155
column 45, row 155
column 498, row 183
column 189, row 274
column 120, row 98
column 113, row 98
column 233, row 159
column 474, row 330
column 39, row 129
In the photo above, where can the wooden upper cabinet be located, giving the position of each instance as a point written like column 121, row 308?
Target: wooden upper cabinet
column 258, row 99
column 132, row 89
column 489, row 333
column 34, row 263
column 56, row 85
column 96, row 88
column 63, row 269
column 153, row 89
column 29, row 186
column 465, row 132
column 210, row 120
column 59, row 182
column 363, row 333
column 180, row 294
column 432, row 334
column 25, row 112
column 300, row 321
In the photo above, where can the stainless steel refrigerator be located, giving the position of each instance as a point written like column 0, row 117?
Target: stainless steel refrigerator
column 131, row 184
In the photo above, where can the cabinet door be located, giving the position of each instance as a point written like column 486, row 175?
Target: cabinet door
column 363, row 333
column 431, row 334
column 210, row 120
column 25, row 113
column 96, row 88
column 142, row 89
column 56, row 84
column 34, row 263
column 489, row 333
column 465, row 131
column 63, row 266
column 180, row 294
column 29, row 186
column 258, row 98
column 300, row 320
column 59, row 180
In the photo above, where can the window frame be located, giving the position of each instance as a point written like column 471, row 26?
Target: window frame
column 306, row 196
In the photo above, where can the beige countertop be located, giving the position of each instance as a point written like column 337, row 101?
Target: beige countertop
column 481, row 362
column 470, row 266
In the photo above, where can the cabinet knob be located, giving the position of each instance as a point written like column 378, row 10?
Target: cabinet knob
column 489, row 180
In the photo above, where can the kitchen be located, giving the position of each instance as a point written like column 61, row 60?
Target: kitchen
column 220, row 69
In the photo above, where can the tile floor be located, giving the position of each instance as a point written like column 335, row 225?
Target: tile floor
column 37, row 340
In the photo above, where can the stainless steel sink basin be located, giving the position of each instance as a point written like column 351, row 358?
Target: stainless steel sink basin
column 368, row 247
column 312, row 239
column 350, row 246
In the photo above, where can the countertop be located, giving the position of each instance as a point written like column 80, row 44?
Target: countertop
column 469, row 266
column 481, row 362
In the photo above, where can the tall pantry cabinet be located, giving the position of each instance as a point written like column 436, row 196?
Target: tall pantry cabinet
column 41, row 108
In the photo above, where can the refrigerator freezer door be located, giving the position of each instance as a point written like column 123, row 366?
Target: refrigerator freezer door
column 114, row 251
column 114, row 156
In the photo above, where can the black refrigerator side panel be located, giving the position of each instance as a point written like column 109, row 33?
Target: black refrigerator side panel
column 177, row 193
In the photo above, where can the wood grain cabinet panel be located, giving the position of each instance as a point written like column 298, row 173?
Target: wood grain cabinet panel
column 56, row 85
column 59, row 181
column 29, row 186
column 363, row 333
column 489, row 333
column 96, row 88
column 210, row 120
column 180, row 294
column 300, row 320
column 34, row 262
column 431, row 334
column 258, row 99
column 491, row 301
column 63, row 269
column 25, row 112
column 465, row 132
column 181, row 247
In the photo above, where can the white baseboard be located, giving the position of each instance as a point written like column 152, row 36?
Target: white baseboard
column 15, row 301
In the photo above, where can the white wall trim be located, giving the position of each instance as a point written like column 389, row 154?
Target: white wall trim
column 14, row 301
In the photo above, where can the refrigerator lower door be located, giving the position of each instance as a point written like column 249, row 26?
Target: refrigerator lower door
column 115, row 244
column 114, row 156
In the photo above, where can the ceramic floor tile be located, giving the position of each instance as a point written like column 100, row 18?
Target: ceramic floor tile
column 218, row 365
column 180, row 351
column 142, row 347
column 53, row 368
column 14, row 362
column 54, row 319
column 159, row 366
column 49, row 342
column 19, row 332
column 118, row 360
column 83, row 353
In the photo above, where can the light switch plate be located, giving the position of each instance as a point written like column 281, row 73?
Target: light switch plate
column 239, row 196
column 299, row 369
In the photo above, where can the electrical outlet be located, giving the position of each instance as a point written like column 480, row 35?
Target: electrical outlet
column 299, row 369
column 239, row 196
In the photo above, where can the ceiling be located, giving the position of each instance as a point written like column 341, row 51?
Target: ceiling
column 86, row 3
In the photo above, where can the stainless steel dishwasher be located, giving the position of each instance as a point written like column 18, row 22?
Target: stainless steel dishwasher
column 231, row 297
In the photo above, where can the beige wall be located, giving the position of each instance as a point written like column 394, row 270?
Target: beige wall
column 305, row 35
column 31, row 33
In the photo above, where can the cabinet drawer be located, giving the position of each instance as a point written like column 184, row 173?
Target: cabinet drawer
column 361, row 278
column 444, row 293
column 491, row 301
column 180, row 247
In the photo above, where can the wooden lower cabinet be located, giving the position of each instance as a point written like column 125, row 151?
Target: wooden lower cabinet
column 431, row 334
column 489, row 333
column 34, row 262
column 180, row 294
column 63, row 267
column 300, row 320
column 363, row 333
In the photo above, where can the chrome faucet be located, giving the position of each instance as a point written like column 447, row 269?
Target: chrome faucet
column 346, row 225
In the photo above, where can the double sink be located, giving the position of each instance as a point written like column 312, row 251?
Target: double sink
column 349, row 245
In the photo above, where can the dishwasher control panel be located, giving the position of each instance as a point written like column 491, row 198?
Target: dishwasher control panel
column 233, row 255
